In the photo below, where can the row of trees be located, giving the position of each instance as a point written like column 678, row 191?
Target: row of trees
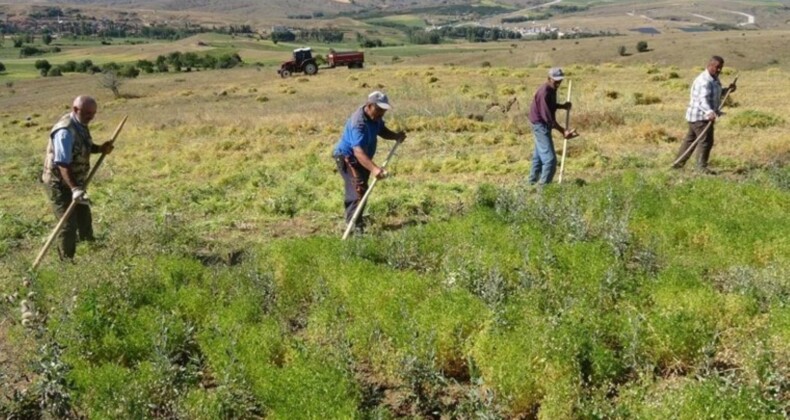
column 436, row 36
column 478, row 33
column 112, row 29
column 327, row 35
column 178, row 61
column 46, row 69
column 175, row 61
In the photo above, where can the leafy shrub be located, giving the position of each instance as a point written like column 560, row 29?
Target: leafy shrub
column 69, row 66
column 621, row 51
column 54, row 72
column 129, row 71
column 2, row 67
column 28, row 50
column 755, row 119
column 111, row 66
column 641, row 46
column 43, row 66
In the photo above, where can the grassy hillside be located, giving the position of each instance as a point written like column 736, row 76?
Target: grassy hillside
column 219, row 287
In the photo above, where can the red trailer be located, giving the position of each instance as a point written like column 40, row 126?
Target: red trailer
column 351, row 59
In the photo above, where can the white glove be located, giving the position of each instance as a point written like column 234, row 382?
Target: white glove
column 79, row 195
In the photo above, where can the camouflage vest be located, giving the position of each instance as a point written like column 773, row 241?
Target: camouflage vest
column 80, row 152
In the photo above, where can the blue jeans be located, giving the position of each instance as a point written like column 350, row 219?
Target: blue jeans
column 544, row 161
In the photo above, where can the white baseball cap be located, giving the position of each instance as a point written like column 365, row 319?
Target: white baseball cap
column 380, row 99
column 556, row 73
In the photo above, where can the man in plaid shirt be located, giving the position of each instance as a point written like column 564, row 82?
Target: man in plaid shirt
column 703, row 109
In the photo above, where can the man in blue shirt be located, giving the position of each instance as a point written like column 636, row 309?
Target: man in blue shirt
column 66, row 170
column 356, row 148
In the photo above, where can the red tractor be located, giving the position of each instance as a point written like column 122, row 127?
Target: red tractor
column 303, row 61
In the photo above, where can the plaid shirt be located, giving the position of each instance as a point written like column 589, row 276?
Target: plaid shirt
column 705, row 98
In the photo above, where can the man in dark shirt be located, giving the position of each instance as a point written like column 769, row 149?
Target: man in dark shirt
column 541, row 115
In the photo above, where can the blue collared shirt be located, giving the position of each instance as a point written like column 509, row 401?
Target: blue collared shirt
column 63, row 143
column 360, row 131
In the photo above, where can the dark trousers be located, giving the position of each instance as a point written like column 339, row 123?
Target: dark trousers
column 703, row 147
column 80, row 222
column 355, row 178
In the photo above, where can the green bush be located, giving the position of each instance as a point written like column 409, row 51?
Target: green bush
column 43, row 66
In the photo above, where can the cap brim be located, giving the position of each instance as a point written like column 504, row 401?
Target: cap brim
column 557, row 79
column 383, row 105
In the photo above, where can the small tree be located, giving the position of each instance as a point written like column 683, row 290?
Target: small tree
column 129, row 71
column 46, row 39
column 112, row 81
column 2, row 67
column 54, row 72
column 43, row 66
column 84, row 66
column 641, row 46
column 69, row 66
column 145, row 65
column 621, row 51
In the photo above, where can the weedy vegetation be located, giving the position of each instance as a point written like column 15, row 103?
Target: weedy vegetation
column 219, row 287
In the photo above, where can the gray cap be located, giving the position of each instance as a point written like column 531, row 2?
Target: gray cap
column 555, row 73
column 380, row 99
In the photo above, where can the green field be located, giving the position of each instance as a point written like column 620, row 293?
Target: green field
column 219, row 286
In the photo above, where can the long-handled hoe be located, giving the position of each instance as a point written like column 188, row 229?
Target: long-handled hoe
column 567, row 127
column 74, row 203
column 364, row 199
column 693, row 145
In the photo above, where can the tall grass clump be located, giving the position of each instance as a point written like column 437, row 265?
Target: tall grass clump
column 755, row 119
column 645, row 99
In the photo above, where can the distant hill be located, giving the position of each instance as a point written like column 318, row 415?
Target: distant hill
column 265, row 8
column 615, row 13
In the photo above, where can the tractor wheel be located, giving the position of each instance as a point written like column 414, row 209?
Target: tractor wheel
column 310, row 68
column 285, row 73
